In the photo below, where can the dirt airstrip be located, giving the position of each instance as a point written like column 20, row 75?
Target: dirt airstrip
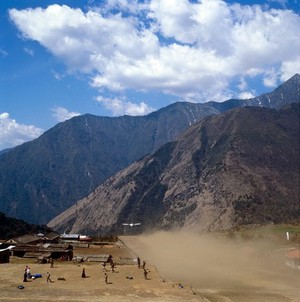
column 220, row 269
column 127, row 283
column 182, row 267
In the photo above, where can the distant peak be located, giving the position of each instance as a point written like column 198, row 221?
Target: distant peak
column 294, row 80
column 295, row 77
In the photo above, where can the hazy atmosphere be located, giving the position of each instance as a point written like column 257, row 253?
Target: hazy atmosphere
column 214, row 263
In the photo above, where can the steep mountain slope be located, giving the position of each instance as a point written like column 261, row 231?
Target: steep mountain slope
column 40, row 179
column 240, row 167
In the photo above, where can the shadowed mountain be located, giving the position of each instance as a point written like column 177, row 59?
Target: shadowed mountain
column 12, row 227
column 240, row 167
column 42, row 178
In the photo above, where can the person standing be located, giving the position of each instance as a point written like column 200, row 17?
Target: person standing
column 139, row 262
column 83, row 275
column 112, row 264
column 25, row 276
column 109, row 259
column 28, row 272
column 105, row 278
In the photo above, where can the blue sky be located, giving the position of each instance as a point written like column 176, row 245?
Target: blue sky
column 59, row 59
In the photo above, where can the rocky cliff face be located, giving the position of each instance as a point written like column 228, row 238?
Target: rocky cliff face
column 42, row 178
column 240, row 167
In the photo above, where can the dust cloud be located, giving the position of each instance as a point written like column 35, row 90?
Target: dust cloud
column 218, row 262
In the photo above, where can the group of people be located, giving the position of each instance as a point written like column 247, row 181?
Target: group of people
column 111, row 262
column 112, row 265
column 27, row 273
column 143, row 266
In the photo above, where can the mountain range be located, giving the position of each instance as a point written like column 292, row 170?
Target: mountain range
column 237, row 168
column 42, row 178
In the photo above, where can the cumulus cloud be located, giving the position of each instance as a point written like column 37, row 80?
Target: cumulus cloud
column 289, row 68
column 283, row 3
column 121, row 106
column 12, row 133
column 180, row 48
column 132, row 6
column 271, row 78
column 61, row 114
column 246, row 95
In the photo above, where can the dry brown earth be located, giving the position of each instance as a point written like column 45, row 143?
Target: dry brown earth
column 209, row 270
column 93, row 288
column 221, row 269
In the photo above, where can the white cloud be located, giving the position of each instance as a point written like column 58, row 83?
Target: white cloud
column 29, row 51
column 12, row 133
column 283, row 3
column 246, row 95
column 131, row 6
column 242, row 85
column 289, row 68
column 178, row 47
column 271, row 78
column 3, row 53
column 119, row 106
column 61, row 114
column 58, row 76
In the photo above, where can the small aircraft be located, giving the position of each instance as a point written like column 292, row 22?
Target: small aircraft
column 132, row 224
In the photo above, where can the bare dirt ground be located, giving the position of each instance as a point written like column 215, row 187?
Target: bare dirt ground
column 127, row 283
column 220, row 269
column 183, row 267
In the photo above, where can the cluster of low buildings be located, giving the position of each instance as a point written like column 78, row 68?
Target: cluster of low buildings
column 41, row 246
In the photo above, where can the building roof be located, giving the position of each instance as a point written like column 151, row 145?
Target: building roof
column 40, row 249
column 5, row 247
column 25, row 239
column 69, row 236
column 43, row 254
column 51, row 236
column 58, row 246
column 32, row 238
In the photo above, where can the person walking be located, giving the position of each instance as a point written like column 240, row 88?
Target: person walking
column 104, row 266
column 105, row 278
column 145, row 274
column 48, row 277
